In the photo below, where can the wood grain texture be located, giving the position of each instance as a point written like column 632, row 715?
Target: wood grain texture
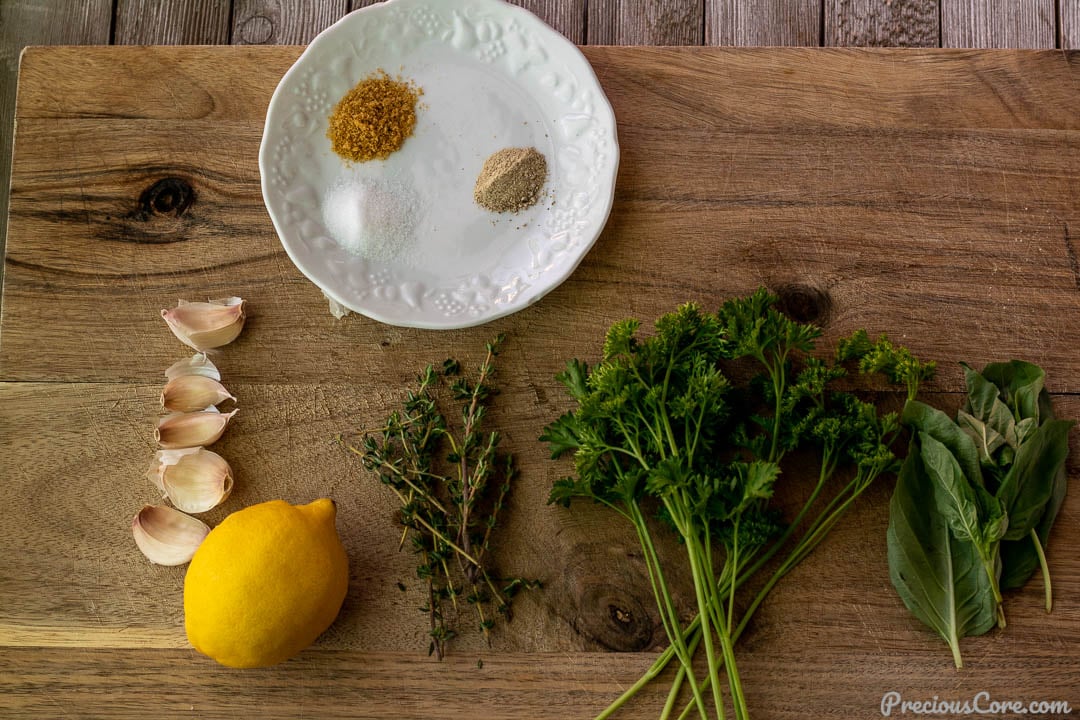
column 882, row 23
column 282, row 22
column 38, row 22
column 998, row 24
column 930, row 195
column 763, row 22
column 659, row 22
column 566, row 16
column 172, row 22
column 1069, row 25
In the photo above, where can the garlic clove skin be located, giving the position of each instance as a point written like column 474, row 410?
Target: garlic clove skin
column 186, row 430
column 164, row 459
column 167, row 536
column 189, row 393
column 196, row 481
column 206, row 325
column 197, row 364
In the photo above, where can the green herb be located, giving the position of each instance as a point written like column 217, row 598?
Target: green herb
column 659, row 424
column 975, row 501
column 452, row 484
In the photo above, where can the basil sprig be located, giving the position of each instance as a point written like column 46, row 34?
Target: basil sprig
column 975, row 500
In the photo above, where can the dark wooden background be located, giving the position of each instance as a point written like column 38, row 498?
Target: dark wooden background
column 829, row 23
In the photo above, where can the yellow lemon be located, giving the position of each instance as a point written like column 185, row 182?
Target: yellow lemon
column 265, row 583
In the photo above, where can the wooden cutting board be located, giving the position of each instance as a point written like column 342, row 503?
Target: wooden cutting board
column 931, row 195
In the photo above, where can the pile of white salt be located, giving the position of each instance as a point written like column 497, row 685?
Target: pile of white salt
column 373, row 219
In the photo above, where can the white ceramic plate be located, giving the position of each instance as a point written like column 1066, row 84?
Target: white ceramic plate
column 493, row 76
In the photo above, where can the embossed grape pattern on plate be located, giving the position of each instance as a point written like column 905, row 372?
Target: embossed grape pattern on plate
column 493, row 76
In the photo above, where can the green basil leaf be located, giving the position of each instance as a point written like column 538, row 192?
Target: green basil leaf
column 1019, row 559
column 940, row 426
column 981, row 393
column 939, row 578
column 1024, row 430
column 986, row 438
column 1028, row 486
column 993, row 518
column 953, row 497
column 985, row 403
column 1021, row 383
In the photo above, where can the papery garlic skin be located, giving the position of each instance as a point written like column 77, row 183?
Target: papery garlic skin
column 186, row 430
column 164, row 459
column 199, row 482
column 189, row 393
column 206, row 325
column 193, row 479
column 167, row 536
column 197, row 364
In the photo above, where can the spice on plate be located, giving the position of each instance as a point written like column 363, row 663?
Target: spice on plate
column 511, row 180
column 374, row 118
column 375, row 219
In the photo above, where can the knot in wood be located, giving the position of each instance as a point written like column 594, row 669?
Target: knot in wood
column 257, row 30
column 168, row 196
column 614, row 619
column 805, row 303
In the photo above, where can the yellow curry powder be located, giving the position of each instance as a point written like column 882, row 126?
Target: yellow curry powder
column 374, row 118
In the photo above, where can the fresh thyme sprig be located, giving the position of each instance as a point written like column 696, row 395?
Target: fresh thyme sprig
column 452, row 483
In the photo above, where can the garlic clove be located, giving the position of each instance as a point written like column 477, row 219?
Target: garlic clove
column 186, row 430
column 188, row 393
column 167, row 536
column 206, row 325
column 197, row 481
column 164, row 459
column 197, row 364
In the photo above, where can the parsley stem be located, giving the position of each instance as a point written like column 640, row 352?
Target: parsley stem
column 734, row 560
column 693, row 552
column 823, row 476
column 668, row 616
column 776, row 372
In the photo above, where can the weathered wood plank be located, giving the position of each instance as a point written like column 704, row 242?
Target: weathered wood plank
column 326, row 684
column 566, row 16
column 998, row 24
column 121, row 684
column 282, row 22
column 1069, row 25
column 172, row 22
column 1026, row 90
column 662, row 22
column 763, row 22
column 38, row 22
column 882, row 23
column 196, row 88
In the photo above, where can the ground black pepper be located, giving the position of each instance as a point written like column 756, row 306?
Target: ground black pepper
column 511, row 180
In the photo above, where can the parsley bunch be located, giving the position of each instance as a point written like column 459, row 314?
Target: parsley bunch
column 660, row 424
